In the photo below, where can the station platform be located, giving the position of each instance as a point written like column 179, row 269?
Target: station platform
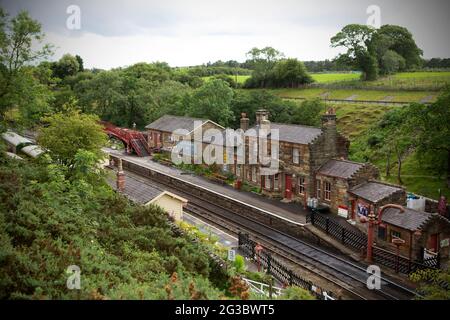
column 290, row 211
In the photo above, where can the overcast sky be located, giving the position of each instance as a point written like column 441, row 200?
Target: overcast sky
column 117, row 33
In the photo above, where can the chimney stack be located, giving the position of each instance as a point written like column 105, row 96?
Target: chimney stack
column 329, row 119
column 244, row 121
column 261, row 115
column 120, row 177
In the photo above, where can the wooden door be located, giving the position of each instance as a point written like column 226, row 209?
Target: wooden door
column 288, row 186
column 432, row 244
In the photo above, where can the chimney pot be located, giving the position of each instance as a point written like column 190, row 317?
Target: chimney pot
column 244, row 121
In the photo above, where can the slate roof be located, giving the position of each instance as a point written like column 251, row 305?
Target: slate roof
column 375, row 191
column 340, row 168
column 409, row 220
column 294, row 133
column 170, row 123
column 135, row 190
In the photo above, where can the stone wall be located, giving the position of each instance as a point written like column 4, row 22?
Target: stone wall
column 255, row 214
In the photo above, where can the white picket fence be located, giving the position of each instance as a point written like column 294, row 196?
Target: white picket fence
column 263, row 289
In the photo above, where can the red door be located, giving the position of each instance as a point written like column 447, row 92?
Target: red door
column 288, row 186
column 432, row 244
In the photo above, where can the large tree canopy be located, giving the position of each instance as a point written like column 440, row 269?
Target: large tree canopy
column 386, row 50
column 19, row 87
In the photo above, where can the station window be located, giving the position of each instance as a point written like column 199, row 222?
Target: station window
column 254, row 174
column 301, row 185
column 238, row 171
column 396, row 234
column 327, row 190
column 267, row 183
column 295, row 156
column 318, row 188
column 276, row 182
column 381, row 233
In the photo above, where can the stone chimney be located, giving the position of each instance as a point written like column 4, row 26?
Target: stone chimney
column 330, row 133
column 244, row 121
column 329, row 119
column 120, row 177
column 261, row 115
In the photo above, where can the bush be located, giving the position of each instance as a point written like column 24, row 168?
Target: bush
column 239, row 263
column 296, row 293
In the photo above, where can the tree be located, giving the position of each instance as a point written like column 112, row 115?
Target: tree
column 392, row 62
column 250, row 101
column 68, row 65
column 80, row 63
column 309, row 113
column 403, row 43
column 356, row 39
column 65, row 134
column 19, row 38
column 262, row 62
column 291, row 73
column 429, row 125
column 213, row 101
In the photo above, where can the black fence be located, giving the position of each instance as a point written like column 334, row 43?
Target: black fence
column 277, row 269
column 359, row 242
column 337, row 231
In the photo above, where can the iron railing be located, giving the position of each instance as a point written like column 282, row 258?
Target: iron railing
column 359, row 242
column 277, row 269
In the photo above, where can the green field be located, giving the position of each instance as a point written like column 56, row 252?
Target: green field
column 334, row 77
column 358, row 94
column 413, row 80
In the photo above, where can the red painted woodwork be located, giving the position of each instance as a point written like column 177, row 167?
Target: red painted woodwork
column 288, row 186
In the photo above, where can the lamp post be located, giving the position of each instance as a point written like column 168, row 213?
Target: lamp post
column 258, row 249
column 373, row 220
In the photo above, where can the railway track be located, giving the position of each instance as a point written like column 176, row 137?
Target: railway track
column 349, row 276
column 343, row 273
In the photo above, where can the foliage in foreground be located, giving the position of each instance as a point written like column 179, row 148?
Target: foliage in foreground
column 433, row 284
column 48, row 223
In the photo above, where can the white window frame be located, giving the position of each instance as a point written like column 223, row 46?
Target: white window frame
column 276, row 182
column 254, row 174
column 267, row 182
column 327, row 193
column 296, row 155
column 301, row 185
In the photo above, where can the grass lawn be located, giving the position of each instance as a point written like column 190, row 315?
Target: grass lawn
column 412, row 80
column 357, row 94
column 334, row 77
column 354, row 119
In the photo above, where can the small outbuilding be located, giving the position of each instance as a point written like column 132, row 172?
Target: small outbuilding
column 372, row 195
column 145, row 194
column 424, row 234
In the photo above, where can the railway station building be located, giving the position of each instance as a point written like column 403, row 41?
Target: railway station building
column 167, row 131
